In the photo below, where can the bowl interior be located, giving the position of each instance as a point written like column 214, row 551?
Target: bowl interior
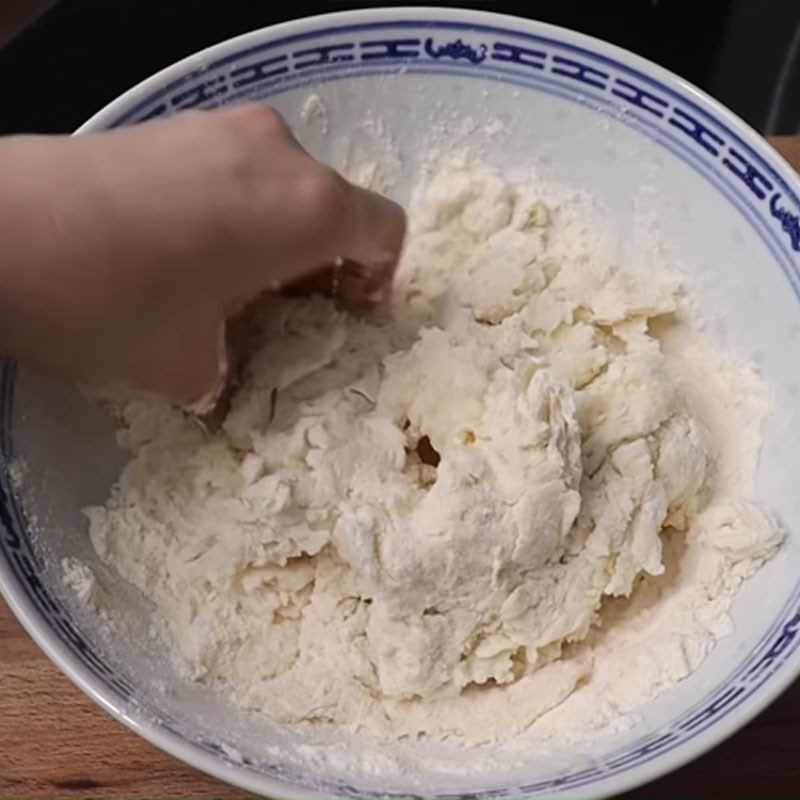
column 391, row 95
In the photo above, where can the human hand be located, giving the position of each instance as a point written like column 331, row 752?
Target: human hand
column 124, row 253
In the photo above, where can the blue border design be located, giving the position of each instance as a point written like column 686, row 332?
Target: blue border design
column 741, row 160
column 676, row 122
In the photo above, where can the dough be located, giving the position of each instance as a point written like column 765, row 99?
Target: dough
column 405, row 525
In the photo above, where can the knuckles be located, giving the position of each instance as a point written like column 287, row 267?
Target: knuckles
column 323, row 198
column 257, row 123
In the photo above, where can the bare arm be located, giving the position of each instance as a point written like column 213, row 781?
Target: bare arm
column 15, row 15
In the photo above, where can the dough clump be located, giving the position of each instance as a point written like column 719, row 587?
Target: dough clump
column 405, row 525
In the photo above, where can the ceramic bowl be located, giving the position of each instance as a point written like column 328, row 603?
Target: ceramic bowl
column 396, row 87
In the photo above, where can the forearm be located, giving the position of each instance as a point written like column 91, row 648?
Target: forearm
column 110, row 232
column 57, row 246
column 15, row 15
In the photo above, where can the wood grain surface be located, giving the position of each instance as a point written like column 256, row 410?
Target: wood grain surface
column 55, row 742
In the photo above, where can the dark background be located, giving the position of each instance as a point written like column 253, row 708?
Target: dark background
column 84, row 53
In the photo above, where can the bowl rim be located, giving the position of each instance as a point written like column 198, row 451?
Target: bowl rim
column 49, row 640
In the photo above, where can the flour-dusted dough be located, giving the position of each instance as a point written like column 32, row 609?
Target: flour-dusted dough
column 403, row 524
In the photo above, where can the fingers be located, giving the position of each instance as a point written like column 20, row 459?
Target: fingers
column 356, row 237
column 207, row 377
column 379, row 227
column 352, row 287
column 356, row 226
column 188, row 368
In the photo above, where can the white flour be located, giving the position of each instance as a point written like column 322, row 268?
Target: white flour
column 82, row 581
column 526, row 491
column 315, row 112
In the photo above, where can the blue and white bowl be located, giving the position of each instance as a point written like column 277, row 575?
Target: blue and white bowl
column 433, row 79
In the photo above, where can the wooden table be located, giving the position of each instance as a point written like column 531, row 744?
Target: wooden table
column 55, row 742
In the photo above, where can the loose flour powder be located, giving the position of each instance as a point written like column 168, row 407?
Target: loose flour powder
column 527, row 487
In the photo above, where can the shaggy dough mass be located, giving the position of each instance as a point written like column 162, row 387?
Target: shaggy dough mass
column 404, row 524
